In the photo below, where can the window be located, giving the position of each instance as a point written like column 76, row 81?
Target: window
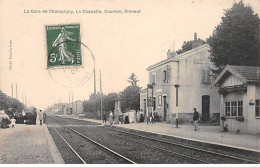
column 257, row 108
column 154, row 103
column 227, row 108
column 165, row 76
column 206, row 76
column 240, row 108
column 153, row 79
column 160, row 100
column 234, row 108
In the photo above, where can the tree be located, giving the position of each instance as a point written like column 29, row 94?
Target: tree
column 130, row 96
column 187, row 45
column 108, row 101
column 236, row 40
column 7, row 103
column 93, row 105
column 133, row 79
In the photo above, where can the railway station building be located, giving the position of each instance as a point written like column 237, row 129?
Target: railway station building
column 180, row 83
column 239, row 88
column 74, row 108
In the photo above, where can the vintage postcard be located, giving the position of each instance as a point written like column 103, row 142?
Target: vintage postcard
column 130, row 82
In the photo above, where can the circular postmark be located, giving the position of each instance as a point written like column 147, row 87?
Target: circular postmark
column 70, row 63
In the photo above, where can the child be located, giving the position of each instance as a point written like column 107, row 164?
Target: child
column 151, row 117
column 13, row 122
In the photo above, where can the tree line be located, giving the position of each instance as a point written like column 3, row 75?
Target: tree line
column 9, row 104
column 236, row 40
column 129, row 97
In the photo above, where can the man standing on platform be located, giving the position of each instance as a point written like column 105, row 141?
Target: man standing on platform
column 196, row 117
column 23, row 116
column 104, row 118
column 40, row 117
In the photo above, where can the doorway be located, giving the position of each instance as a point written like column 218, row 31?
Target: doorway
column 205, row 108
column 165, row 106
column 144, row 107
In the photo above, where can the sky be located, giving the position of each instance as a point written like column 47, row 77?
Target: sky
column 120, row 43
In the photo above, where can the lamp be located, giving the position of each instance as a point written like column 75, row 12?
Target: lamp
column 251, row 102
column 149, row 99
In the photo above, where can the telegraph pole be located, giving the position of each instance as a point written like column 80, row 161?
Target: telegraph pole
column 69, row 96
column 72, row 103
column 25, row 100
column 53, row 106
column 101, row 110
column 95, row 81
column 12, row 91
column 76, row 109
column 16, row 91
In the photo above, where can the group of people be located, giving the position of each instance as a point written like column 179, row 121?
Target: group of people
column 150, row 118
column 111, row 118
column 30, row 118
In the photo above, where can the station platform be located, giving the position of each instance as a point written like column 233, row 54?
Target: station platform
column 28, row 144
column 206, row 134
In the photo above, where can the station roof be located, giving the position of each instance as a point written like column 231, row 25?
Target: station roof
column 245, row 73
column 178, row 57
column 143, row 90
column 117, row 98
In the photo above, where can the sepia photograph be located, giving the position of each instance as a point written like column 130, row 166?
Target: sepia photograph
column 167, row 82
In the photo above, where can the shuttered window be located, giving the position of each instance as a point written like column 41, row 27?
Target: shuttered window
column 240, row 108
column 257, row 108
column 165, row 76
column 154, row 103
column 206, row 76
column 153, row 79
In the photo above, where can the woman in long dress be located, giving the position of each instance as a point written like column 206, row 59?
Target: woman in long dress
column 61, row 41
column 110, row 118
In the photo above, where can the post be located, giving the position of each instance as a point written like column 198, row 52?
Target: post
column 25, row 100
column 69, row 96
column 177, row 101
column 53, row 105
column 149, row 100
column 94, row 80
column 76, row 109
column 71, row 103
column 12, row 90
column 222, row 113
column 101, row 110
column 16, row 91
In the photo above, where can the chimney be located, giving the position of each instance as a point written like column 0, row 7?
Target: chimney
column 195, row 36
column 170, row 54
column 196, row 42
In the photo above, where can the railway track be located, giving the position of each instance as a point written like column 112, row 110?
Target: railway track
column 89, row 139
column 169, row 148
column 150, row 150
column 236, row 159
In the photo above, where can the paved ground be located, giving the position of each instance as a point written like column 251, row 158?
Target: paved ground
column 27, row 144
column 209, row 134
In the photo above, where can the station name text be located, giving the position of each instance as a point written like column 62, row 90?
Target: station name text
column 80, row 11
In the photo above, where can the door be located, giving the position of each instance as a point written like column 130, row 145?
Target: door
column 165, row 106
column 205, row 108
column 145, row 107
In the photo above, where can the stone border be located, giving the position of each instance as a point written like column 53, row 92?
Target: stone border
column 55, row 153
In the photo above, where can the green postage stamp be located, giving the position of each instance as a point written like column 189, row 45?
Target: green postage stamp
column 63, row 45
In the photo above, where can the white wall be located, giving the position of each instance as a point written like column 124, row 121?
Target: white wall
column 253, row 124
